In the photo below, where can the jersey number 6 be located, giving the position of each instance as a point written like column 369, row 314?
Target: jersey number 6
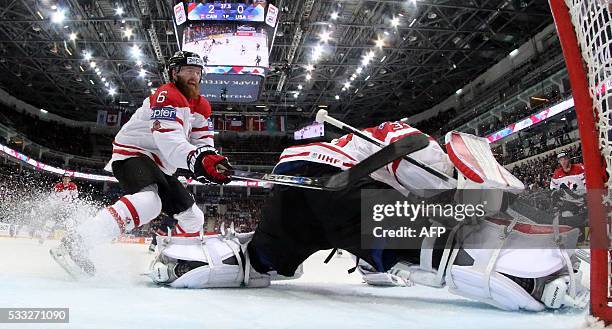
column 161, row 97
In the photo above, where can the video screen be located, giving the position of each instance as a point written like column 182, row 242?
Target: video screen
column 228, row 44
column 247, row 11
column 311, row 131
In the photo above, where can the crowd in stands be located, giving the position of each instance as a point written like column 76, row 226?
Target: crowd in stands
column 54, row 135
column 245, row 214
column 536, row 173
column 440, row 124
column 519, row 113
column 433, row 126
column 537, row 143
column 252, row 150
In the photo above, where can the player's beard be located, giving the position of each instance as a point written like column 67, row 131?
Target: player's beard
column 189, row 88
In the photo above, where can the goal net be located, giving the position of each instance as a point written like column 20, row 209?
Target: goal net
column 585, row 32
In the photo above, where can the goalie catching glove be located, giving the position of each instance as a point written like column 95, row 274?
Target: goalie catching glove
column 208, row 166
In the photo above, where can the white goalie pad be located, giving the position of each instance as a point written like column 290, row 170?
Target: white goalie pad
column 508, row 248
column 224, row 263
column 501, row 292
column 476, row 164
column 484, row 279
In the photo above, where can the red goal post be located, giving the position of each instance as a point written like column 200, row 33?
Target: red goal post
column 585, row 32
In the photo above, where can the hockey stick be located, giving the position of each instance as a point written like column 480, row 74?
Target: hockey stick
column 343, row 179
column 322, row 116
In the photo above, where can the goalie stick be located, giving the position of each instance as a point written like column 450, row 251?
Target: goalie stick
column 343, row 179
column 322, row 116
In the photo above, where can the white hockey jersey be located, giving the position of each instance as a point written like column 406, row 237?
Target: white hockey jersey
column 166, row 128
column 349, row 150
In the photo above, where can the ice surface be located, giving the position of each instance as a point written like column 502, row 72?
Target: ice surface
column 325, row 297
column 230, row 54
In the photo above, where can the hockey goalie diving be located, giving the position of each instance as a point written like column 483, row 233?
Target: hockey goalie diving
column 479, row 268
column 306, row 164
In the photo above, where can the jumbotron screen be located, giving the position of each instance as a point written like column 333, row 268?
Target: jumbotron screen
column 311, row 131
column 228, row 44
column 248, row 11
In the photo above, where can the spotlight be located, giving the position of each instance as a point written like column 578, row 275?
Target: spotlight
column 325, row 36
column 128, row 32
column 136, row 52
column 395, row 22
column 58, row 16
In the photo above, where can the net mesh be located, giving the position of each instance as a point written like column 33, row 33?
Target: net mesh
column 592, row 22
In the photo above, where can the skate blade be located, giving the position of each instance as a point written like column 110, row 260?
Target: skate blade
column 69, row 267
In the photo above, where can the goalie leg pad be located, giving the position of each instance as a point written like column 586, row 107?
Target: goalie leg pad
column 502, row 293
column 484, row 279
column 216, row 262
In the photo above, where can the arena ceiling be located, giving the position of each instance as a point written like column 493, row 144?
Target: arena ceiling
column 365, row 60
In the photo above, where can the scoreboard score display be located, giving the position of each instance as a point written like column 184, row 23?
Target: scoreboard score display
column 226, row 11
column 232, row 37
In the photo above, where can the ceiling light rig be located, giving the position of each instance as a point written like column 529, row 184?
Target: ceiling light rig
column 317, row 52
column 325, row 36
column 58, row 16
column 135, row 51
column 379, row 44
column 128, row 32
column 395, row 22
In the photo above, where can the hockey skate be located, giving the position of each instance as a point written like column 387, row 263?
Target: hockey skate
column 72, row 258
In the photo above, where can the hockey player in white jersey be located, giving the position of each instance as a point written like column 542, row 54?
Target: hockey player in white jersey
column 172, row 129
column 299, row 222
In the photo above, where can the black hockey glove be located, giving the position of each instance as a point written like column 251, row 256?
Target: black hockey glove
column 209, row 167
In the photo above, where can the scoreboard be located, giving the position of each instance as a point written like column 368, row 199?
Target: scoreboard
column 225, row 12
column 232, row 37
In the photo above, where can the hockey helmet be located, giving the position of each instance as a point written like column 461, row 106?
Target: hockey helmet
column 184, row 58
